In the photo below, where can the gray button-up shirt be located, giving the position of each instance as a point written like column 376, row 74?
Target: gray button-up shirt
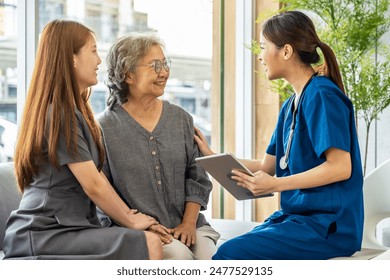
column 155, row 172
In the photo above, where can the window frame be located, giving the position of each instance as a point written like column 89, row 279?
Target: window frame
column 244, row 95
column 27, row 42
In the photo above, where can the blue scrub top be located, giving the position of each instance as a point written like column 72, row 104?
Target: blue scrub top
column 325, row 119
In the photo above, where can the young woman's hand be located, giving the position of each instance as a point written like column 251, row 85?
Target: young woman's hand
column 163, row 232
column 202, row 143
column 142, row 221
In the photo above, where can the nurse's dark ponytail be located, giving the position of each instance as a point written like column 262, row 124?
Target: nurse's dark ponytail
column 296, row 29
column 330, row 67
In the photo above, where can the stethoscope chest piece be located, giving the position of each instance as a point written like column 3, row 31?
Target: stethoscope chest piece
column 283, row 163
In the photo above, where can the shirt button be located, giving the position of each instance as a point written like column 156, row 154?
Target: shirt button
column 151, row 138
column 157, row 167
column 154, row 153
column 159, row 182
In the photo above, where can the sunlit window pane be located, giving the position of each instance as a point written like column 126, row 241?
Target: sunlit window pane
column 188, row 44
column 8, row 79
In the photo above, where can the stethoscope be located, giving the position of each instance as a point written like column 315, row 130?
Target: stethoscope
column 283, row 163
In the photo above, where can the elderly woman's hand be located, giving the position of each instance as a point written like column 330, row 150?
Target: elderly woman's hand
column 186, row 233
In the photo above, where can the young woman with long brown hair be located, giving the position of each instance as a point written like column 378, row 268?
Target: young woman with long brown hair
column 314, row 153
column 58, row 161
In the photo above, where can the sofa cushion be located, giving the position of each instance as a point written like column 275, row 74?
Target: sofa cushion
column 229, row 229
column 9, row 196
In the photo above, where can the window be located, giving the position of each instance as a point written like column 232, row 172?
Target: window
column 8, row 78
column 190, row 47
column 191, row 56
column 188, row 44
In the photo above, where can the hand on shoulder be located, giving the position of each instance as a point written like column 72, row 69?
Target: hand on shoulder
column 202, row 143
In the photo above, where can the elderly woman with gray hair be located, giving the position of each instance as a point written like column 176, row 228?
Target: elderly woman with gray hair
column 151, row 149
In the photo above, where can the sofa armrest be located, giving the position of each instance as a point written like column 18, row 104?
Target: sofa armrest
column 9, row 196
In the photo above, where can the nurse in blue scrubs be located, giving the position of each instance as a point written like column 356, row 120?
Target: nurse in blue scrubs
column 314, row 153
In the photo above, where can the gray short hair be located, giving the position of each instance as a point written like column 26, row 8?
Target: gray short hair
column 123, row 57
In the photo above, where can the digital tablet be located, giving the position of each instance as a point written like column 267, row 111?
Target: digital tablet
column 220, row 167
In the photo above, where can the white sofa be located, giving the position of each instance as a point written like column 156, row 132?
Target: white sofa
column 377, row 207
column 9, row 197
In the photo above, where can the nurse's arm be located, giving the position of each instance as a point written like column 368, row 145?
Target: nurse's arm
column 337, row 167
column 267, row 165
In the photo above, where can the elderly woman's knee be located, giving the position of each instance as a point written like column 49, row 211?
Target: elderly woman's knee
column 177, row 251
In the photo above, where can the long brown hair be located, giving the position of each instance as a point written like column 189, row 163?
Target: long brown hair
column 297, row 29
column 53, row 85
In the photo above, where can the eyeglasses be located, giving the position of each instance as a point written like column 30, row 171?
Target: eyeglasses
column 158, row 65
